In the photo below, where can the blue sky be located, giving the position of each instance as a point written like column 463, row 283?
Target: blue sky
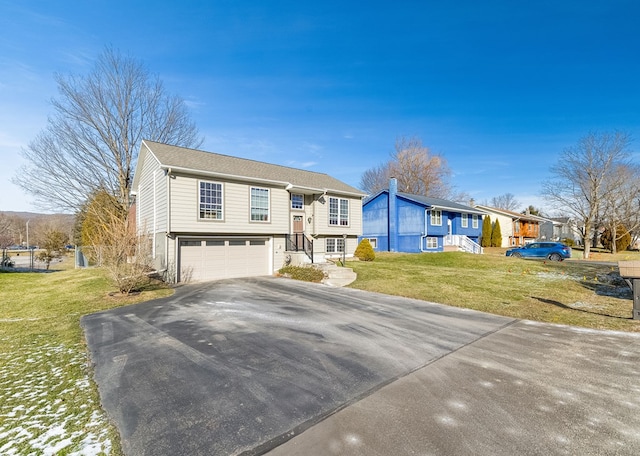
column 499, row 88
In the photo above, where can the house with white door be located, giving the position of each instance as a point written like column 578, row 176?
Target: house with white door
column 213, row 216
column 401, row 222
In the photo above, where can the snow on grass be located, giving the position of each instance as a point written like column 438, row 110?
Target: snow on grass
column 47, row 406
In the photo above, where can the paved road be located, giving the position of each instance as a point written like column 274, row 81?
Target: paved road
column 274, row 366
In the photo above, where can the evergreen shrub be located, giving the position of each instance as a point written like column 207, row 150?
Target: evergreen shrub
column 364, row 251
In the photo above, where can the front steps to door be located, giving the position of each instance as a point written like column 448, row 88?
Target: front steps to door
column 336, row 276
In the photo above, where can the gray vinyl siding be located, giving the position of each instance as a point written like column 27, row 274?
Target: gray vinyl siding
column 279, row 252
column 236, row 208
column 152, row 194
column 151, row 201
column 160, row 260
column 321, row 215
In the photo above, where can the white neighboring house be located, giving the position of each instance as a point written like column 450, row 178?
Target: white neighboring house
column 516, row 229
column 215, row 216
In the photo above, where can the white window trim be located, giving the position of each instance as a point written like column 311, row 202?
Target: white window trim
column 251, row 207
column 336, row 244
column 464, row 220
column 433, row 212
column 206, row 219
column 434, row 239
column 475, row 218
column 339, row 214
column 373, row 242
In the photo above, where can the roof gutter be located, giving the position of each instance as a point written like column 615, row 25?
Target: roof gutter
column 456, row 209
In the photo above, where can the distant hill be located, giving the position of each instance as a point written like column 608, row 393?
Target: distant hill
column 26, row 215
column 33, row 214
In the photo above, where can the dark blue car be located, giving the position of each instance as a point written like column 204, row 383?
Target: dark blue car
column 554, row 251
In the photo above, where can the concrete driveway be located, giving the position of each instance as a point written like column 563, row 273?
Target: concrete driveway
column 273, row 366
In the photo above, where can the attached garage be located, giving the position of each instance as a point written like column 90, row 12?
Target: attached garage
column 222, row 258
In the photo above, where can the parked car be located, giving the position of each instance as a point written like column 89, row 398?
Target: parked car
column 554, row 251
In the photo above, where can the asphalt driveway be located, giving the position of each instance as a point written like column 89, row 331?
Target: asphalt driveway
column 255, row 366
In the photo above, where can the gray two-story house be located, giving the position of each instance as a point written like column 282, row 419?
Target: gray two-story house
column 213, row 216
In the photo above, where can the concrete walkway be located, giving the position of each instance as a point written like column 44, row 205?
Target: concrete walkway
column 528, row 389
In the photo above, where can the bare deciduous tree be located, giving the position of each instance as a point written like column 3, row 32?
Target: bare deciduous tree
column 621, row 201
column 6, row 231
column 418, row 171
column 507, row 202
column 580, row 182
column 92, row 139
column 112, row 241
column 375, row 179
column 532, row 210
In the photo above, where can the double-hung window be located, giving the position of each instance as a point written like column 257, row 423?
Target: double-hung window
column 432, row 242
column 464, row 221
column 436, row 217
column 335, row 245
column 474, row 220
column 259, row 204
column 210, row 206
column 338, row 211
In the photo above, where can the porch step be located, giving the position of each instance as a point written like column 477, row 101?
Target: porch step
column 336, row 276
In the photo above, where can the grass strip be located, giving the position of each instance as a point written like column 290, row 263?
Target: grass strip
column 49, row 403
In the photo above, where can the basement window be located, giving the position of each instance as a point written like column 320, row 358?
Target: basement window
column 334, row 245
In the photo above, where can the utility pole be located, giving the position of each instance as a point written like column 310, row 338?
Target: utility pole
column 29, row 247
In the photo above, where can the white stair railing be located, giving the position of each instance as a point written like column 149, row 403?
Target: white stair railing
column 463, row 242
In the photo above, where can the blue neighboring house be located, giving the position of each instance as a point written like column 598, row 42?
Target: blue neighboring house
column 399, row 222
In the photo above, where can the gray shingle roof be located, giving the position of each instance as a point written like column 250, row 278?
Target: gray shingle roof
column 208, row 162
column 440, row 203
column 514, row 215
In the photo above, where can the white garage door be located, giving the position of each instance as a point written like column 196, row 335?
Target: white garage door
column 211, row 259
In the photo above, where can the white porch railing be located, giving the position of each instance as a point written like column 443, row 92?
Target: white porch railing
column 463, row 243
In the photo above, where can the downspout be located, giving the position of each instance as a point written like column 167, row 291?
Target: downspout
column 155, row 217
column 166, row 249
column 314, row 203
column 423, row 238
column 392, row 216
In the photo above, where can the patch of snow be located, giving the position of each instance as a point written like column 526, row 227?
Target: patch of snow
column 34, row 417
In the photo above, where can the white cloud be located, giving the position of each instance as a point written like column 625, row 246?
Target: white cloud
column 303, row 165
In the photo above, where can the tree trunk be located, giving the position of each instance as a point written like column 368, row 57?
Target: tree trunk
column 586, row 241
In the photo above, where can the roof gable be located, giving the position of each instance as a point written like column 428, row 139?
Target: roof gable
column 209, row 163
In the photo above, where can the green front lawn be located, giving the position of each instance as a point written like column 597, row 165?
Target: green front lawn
column 570, row 292
column 48, row 400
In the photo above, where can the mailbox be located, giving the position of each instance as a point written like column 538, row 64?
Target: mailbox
column 630, row 272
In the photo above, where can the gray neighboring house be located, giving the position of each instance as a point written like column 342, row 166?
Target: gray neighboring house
column 559, row 228
column 215, row 216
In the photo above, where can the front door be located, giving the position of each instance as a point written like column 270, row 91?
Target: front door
column 298, row 229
